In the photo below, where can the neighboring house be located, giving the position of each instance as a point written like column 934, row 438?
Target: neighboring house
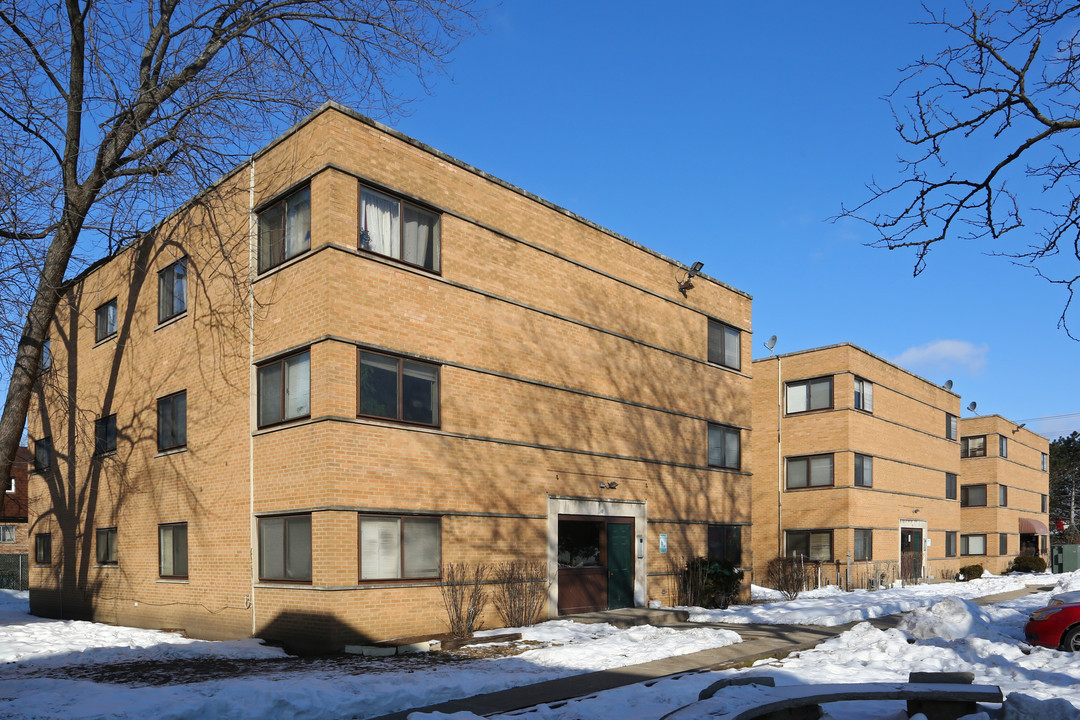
column 856, row 464
column 1004, row 486
column 13, row 518
column 356, row 360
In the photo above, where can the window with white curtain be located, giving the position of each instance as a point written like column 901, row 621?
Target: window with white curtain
column 285, row 229
column 972, row 544
column 864, row 395
column 285, row 389
column 397, row 229
column 399, row 547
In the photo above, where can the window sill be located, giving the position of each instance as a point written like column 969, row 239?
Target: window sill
column 288, row 262
column 107, row 566
column 170, row 321
column 104, row 340
column 173, row 581
column 171, row 451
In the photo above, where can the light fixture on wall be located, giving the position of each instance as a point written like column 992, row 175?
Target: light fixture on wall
column 686, row 284
column 1019, row 427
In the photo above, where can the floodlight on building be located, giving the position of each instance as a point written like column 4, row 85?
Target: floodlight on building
column 686, row 282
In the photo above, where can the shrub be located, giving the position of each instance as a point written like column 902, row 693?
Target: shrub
column 1027, row 563
column 971, row 572
column 520, row 591
column 704, row 582
column 786, row 574
column 464, row 597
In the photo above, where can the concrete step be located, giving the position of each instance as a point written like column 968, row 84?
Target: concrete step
column 630, row 617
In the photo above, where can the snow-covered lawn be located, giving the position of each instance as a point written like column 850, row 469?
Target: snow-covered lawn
column 944, row 632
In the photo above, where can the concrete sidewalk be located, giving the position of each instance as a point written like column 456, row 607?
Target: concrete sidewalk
column 759, row 642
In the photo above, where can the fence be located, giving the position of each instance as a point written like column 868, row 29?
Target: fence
column 867, row 575
column 14, row 572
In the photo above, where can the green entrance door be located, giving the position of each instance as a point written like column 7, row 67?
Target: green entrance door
column 620, row 565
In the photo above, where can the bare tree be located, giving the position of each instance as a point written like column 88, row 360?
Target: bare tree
column 115, row 112
column 992, row 117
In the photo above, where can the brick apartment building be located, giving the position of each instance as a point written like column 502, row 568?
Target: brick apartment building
column 1004, row 486
column 862, row 461
column 355, row 360
column 13, row 513
column 857, row 459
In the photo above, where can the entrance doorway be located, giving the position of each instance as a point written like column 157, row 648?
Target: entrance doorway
column 596, row 563
column 911, row 553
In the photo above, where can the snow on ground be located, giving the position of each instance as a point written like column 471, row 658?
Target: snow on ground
column 944, row 631
column 26, row 639
column 832, row 606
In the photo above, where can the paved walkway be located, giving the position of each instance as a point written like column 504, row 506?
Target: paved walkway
column 759, row 641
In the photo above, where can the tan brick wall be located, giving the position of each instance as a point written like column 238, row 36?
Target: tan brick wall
column 567, row 359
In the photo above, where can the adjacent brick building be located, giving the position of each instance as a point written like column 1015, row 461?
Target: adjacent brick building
column 860, row 463
column 356, row 360
column 1004, row 486
column 13, row 513
column 855, row 459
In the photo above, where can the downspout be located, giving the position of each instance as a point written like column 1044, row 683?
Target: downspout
column 252, row 250
column 779, row 461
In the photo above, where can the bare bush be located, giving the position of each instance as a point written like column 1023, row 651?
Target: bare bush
column 464, row 597
column 520, row 591
column 786, row 574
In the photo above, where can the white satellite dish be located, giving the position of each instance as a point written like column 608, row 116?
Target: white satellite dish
column 948, row 384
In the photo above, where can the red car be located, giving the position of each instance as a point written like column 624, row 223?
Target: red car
column 1058, row 624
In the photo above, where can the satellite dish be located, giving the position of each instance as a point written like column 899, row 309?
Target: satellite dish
column 948, row 384
column 771, row 342
column 971, row 406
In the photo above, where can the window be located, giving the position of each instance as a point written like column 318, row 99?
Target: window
column 43, row 454
column 972, row 544
column 1003, row 544
column 105, row 435
column 1003, row 446
column 1003, row 495
column 950, row 426
column 11, row 487
column 1043, row 465
column 172, row 290
column 864, row 395
column 950, row 544
column 105, row 321
column 972, row 495
column 46, row 357
column 398, row 389
column 813, row 471
column 399, row 547
column 809, row 395
column 106, row 546
column 398, row 229
column 1042, row 498
column 285, row 548
column 813, row 544
column 43, row 548
column 285, row 389
column 864, row 544
column 950, row 486
column 864, row 470
column 7, row 533
column 974, row 446
column 724, row 345
column 172, row 421
column 285, row 229
column 725, row 543
column 723, row 446
column 172, row 550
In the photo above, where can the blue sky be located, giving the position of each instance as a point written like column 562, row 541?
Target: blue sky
column 730, row 133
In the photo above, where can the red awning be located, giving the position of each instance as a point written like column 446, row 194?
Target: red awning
column 1030, row 526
